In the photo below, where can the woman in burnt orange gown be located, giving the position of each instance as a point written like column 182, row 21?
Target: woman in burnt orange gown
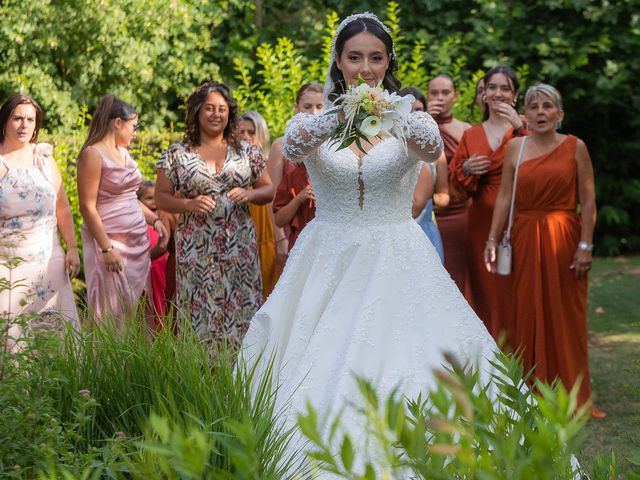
column 451, row 219
column 551, row 243
column 476, row 170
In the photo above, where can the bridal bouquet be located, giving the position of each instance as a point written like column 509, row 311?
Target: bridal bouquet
column 370, row 112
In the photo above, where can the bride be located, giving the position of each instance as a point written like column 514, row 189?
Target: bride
column 363, row 292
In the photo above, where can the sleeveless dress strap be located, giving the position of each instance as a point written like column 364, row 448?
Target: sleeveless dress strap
column 4, row 168
column 42, row 161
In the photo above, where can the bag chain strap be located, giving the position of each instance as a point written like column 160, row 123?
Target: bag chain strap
column 507, row 234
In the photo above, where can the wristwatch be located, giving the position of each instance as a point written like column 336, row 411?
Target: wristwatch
column 584, row 246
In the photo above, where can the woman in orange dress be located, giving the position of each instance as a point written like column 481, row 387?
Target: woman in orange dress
column 253, row 129
column 308, row 100
column 452, row 218
column 551, row 243
column 476, row 170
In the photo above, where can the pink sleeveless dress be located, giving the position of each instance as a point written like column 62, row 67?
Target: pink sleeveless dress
column 29, row 231
column 117, row 293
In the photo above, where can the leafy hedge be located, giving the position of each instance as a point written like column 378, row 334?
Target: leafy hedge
column 152, row 53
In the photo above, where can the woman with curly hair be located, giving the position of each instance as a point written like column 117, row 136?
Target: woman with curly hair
column 214, row 177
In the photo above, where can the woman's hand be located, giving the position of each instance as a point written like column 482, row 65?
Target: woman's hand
column 200, row 204
column 159, row 227
column 239, row 195
column 435, row 107
column 72, row 262
column 157, row 251
column 476, row 165
column 305, row 194
column 490, row 255
column 581, row 262
column 113, row 261
column 282, row 250
column 507, row 112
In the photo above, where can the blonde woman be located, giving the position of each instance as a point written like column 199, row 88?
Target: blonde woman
column 552, row 243
column 253, row 129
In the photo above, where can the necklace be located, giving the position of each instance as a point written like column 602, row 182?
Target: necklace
column 495, row 138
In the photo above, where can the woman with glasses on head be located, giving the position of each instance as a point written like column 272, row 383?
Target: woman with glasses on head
column 114, row 234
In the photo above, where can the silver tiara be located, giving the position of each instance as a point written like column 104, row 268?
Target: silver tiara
column 357, row 16
column 328, row 84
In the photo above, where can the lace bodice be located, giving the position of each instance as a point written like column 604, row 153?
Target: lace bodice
column 374, row 190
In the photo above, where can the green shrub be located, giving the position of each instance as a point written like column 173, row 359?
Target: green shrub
column 463, row 429
column 116, row 402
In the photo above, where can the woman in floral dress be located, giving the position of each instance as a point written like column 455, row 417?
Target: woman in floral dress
column 33, row 209
column 214, row 176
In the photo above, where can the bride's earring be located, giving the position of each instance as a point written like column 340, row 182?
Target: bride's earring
column 558, row 124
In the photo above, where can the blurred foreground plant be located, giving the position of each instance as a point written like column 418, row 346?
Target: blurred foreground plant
column 467, row 428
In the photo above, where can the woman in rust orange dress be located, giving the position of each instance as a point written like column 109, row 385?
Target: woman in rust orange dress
column 452, row 219
column 476, row 169
column 551, row 243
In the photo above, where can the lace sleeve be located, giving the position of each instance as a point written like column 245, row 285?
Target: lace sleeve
column 423, row 137
column 305, row 133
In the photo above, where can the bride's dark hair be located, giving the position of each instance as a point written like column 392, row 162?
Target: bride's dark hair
column 360, row 25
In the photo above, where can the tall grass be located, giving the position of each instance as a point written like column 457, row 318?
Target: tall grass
column 122, row 398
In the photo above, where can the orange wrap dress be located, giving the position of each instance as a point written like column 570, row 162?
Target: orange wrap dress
column 266, row 246
column 452, row 220
column 490, row 295
column 551, row 303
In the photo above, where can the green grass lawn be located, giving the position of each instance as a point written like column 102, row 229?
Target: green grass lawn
column 614, row 325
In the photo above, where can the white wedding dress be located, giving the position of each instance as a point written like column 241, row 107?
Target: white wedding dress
column 364, row 291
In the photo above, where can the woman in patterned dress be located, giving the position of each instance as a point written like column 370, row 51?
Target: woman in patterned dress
column 218, row 272
column 33, row 209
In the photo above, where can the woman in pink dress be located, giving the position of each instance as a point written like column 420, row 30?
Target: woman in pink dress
column 114, row 233
column 33, row 207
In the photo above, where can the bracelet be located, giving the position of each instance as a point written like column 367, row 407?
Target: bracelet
column 465, row 170
column 106, row 250
column 491, row 239
column 153, row 224
column 69, row 247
